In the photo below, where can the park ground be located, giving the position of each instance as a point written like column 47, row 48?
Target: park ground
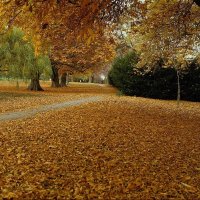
column 116, row 148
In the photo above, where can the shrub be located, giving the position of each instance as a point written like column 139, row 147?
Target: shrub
column 190, row 89
column 160, row 83
column 121, row 74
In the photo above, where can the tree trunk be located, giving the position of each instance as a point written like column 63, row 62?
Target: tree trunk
column 72, row 78
column 67, row 78
column 17, row 84
column 63, row 82
column 55, row 77
column 35, row 85
column 91, row 79
column 178, row 89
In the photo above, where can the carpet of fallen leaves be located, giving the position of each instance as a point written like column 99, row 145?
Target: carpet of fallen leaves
column 119, row 148
column 12, row 99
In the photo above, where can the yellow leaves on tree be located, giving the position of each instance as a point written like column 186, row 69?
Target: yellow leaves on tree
column 169, row 28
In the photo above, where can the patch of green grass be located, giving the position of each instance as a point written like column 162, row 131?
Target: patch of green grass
column 119, row 93
column 6, row 95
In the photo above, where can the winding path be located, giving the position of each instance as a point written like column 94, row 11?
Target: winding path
column 31, row 112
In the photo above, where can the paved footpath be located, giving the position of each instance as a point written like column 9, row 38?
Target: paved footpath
column 31, row 112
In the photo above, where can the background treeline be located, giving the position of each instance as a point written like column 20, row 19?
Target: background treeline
column 159, row 83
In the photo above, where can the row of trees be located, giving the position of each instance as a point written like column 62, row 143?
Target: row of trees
column 82, row 34
column 62, row 26
column 21, row 60
column 63, row 30
column 160, row 83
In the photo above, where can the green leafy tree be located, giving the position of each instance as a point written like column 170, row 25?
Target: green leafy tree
column 18, row 57
column 121, row 74
column 16, row 53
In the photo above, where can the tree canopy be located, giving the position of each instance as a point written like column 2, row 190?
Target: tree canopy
column 170, row 30
column 79, row 34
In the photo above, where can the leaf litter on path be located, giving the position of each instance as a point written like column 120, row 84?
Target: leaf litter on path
column 120, row 148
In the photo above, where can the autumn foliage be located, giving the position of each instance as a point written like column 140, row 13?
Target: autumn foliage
column 118, row 148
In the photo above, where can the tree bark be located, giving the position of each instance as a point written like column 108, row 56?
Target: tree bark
column 91, row 79
column 178, row 89
column 17, row 84
column 55, row 77
column 72, row 78
column 35, row 85
column 67, row 78
column 63, row 82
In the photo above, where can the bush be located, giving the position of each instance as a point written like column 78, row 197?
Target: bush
column 190, row 89
column 121, row 74
column 161, row 83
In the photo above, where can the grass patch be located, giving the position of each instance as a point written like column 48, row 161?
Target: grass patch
column 7, row 95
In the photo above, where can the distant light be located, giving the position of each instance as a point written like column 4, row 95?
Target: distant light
column 102, row 77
